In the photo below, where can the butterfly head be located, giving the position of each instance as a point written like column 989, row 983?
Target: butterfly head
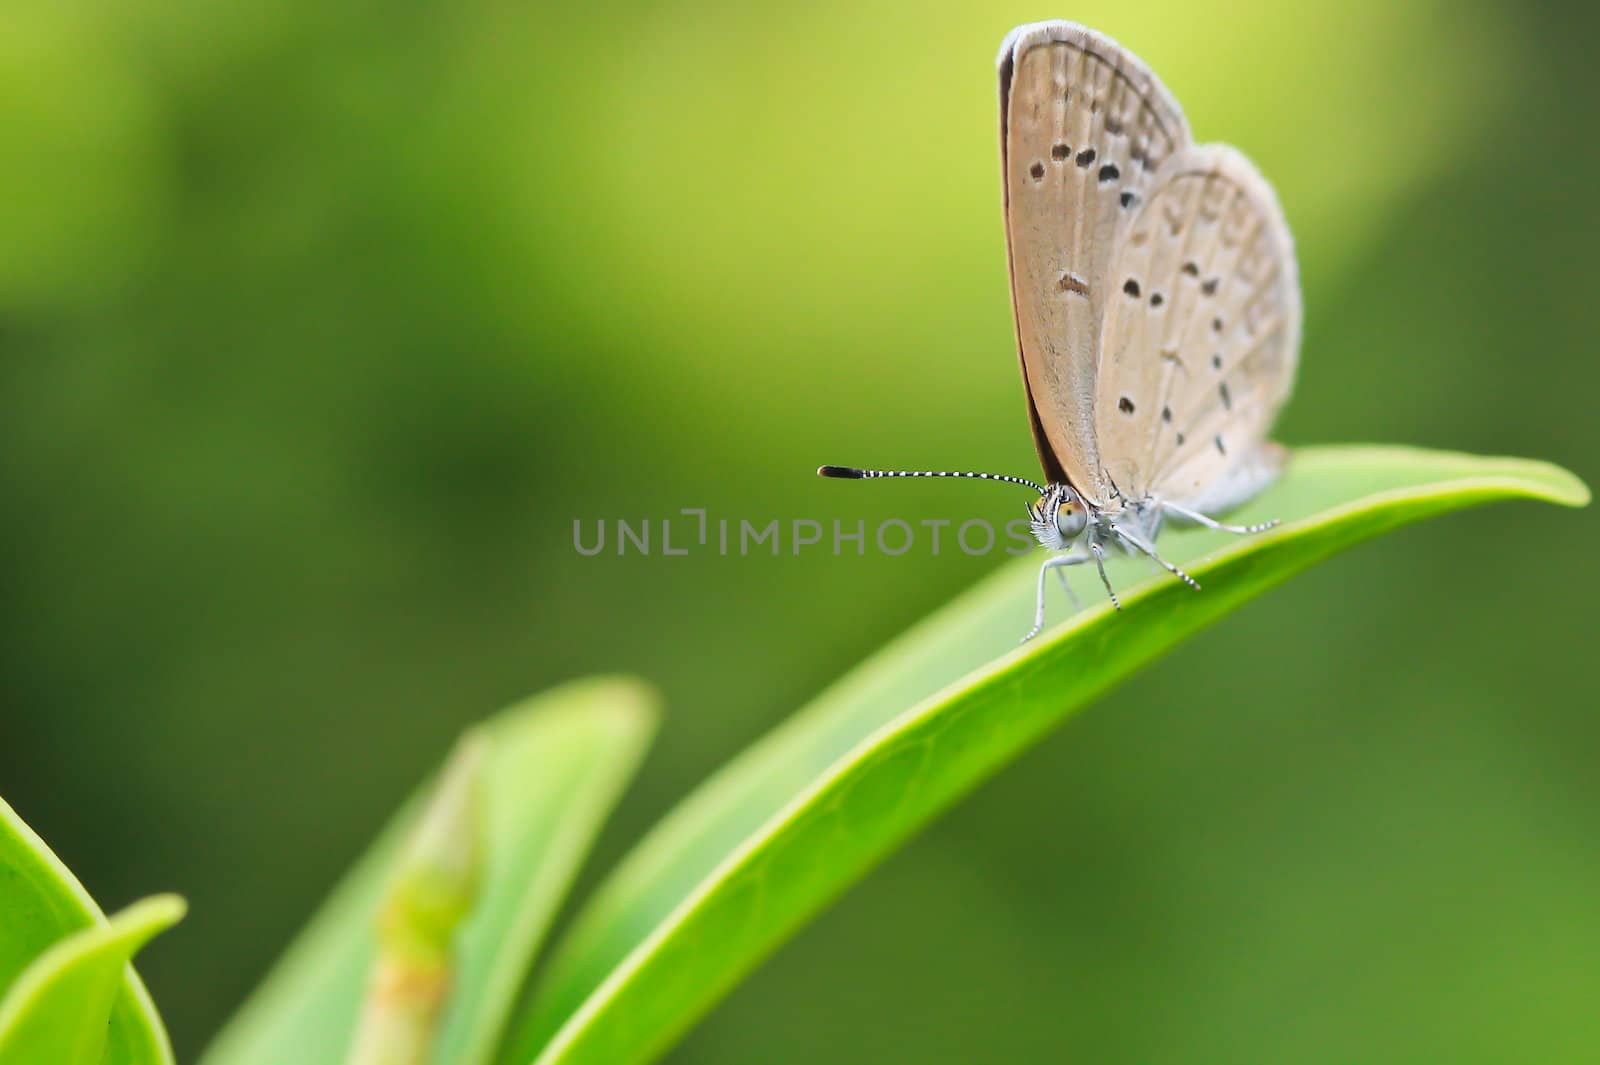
column 1058, row 516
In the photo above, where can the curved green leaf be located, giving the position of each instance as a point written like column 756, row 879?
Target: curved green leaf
column 433, row 887
column 59, row 1009
column 42, row 903
column 794, row 820
column 552, row 768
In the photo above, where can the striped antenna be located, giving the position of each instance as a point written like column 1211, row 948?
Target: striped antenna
column 852, row 473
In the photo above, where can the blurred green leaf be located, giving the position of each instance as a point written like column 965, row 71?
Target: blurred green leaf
column 787, row 826
column 59, row 1008
column 433, row 886
column 552, row 768
column 42, row 904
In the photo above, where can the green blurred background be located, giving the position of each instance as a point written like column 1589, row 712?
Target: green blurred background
column 321, row 322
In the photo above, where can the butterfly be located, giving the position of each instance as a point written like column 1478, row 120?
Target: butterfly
column 1156, row 300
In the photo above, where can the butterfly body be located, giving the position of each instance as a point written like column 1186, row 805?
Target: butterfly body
column 1156, row 301
column 1061, row 516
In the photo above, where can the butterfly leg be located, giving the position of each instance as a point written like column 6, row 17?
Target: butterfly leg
column 1211, row 523
column 1052, row 564
column 1100, row 564
column 1138, row 544
column 1066, row 586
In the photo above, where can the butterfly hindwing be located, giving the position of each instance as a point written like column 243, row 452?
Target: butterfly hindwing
column 1201, row 336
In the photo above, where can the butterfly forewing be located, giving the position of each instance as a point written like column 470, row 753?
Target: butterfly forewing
column 1200, row 337
column 1084, row 128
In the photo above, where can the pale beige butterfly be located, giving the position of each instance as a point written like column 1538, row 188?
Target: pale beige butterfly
column 1156, row 299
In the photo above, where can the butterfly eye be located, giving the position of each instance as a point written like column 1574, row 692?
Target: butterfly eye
column 1070, row 519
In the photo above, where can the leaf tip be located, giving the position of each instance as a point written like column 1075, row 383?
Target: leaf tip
column 160, row 911
column 1573, row 492
column 1551, row 483
column 619, row 702
column 142, row 921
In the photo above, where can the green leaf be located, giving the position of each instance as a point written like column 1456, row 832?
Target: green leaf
column 42, row 903
column 59, row 1009
column 783, row 829
column 432, row 889
column 552, row 768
